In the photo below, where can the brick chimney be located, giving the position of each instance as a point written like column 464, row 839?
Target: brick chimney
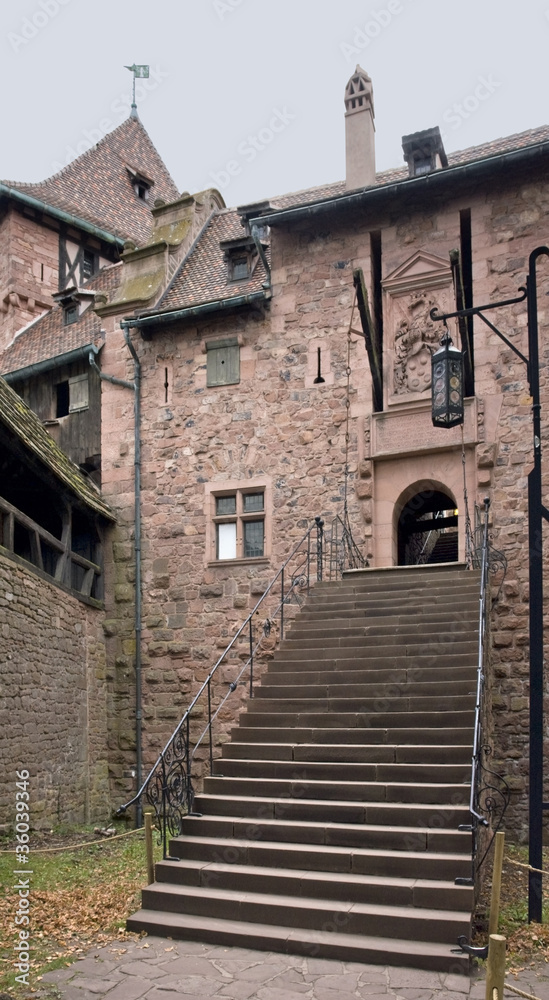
column 359, row 131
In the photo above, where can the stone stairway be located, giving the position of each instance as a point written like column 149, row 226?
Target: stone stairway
column 330, row 825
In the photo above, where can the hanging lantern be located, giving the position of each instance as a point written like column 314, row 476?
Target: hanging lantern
column 447, row 384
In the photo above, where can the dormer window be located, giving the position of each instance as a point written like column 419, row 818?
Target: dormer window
column 241, row 257
column 74, row 301
column 141, row 189
column 70, row 313
column 141, row 184
column 424, row 152
column 239, row 268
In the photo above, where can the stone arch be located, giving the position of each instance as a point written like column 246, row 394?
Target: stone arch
column 416, row 513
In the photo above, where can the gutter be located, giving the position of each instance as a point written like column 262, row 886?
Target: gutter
column 190, row 312
column 58, row 213
column 48, row 364
column 425, row 185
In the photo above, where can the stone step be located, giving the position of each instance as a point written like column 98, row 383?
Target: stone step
column 394, row 595
column 434, row 619
column 415, row 923
column 332, row 813
column 370, row 653
column 438, row 736
column 299, row 883
column 347, row 684
column 410, row 632
column 352, row 721
column 383, row 863
column 408, row 814
column 416, row 641
column 328, row 790
column 262, row 704
column 399, row 581
column 360, row 753
column 395, row 838
column 399, row 669
column 398, row 774
column 271, row 937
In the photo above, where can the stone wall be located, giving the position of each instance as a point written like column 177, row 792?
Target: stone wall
column 276, row 426
column 29, row 258
column 52, row 700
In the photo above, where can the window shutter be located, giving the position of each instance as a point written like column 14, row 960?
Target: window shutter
column 223, row 365
column 78, row 393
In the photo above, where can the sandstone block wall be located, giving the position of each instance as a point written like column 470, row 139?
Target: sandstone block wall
column 29, row 271
column 52, row 701
column 276, row 425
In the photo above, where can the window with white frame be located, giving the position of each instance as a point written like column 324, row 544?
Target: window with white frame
column 239, row 521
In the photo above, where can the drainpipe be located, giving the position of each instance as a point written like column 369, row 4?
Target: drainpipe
column 136, row 386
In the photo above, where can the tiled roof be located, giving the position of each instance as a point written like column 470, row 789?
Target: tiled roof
column 506, row 144
column 48, row 337
column 202, row 276
column 25, row 425
column 97, row 185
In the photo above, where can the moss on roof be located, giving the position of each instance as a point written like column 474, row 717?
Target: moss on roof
column 27, row 428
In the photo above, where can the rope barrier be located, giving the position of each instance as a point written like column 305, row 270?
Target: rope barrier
column 520, row 993
column 75, row 847
column 519, row 864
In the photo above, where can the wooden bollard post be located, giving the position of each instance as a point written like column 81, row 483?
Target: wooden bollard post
column 495, row 967
column 496, row 883
column 149, row 847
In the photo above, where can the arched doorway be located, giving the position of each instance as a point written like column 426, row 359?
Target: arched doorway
column 427, row 530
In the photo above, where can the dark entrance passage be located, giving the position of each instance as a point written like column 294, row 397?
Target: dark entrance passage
column 428, row 529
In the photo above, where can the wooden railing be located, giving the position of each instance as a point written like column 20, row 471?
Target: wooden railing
column 47, row 553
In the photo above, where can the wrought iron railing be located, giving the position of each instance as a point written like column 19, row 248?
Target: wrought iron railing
column 342, row 550
column 490, row 792
column 169, row 787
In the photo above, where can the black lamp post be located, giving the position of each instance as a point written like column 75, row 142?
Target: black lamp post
column 536, row 513
column 447, row 382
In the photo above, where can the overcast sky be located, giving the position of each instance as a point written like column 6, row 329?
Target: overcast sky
column 223, row 72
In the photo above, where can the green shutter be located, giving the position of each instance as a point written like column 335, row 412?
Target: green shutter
column 223, row 365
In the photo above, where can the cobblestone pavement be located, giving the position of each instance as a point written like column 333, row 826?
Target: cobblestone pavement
column 154, row 968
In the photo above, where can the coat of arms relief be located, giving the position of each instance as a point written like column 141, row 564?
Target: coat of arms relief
column 421, row 283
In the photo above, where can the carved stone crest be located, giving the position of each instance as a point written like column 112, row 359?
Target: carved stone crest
column 419, row 284
column 416, row 337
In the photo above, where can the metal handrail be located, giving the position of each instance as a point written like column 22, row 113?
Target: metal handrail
column 169, row 784
column 477, row 738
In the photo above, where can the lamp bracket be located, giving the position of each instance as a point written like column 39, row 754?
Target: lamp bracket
column 478, row 311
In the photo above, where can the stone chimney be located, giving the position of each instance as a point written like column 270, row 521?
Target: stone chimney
column 359, row 131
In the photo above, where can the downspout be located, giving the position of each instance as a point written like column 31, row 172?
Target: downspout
column 136, row 386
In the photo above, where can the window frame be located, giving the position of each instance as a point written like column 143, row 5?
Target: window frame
column 241, row 517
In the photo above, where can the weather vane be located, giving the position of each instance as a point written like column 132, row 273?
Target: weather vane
column 139, row 73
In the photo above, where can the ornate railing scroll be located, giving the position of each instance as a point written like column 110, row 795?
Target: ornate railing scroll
column 169, row 787
column 342, row 550
column 490, row 792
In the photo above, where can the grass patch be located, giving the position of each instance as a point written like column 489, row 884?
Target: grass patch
column 79, row 898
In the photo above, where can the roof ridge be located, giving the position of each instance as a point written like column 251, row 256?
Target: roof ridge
column 83, row 156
